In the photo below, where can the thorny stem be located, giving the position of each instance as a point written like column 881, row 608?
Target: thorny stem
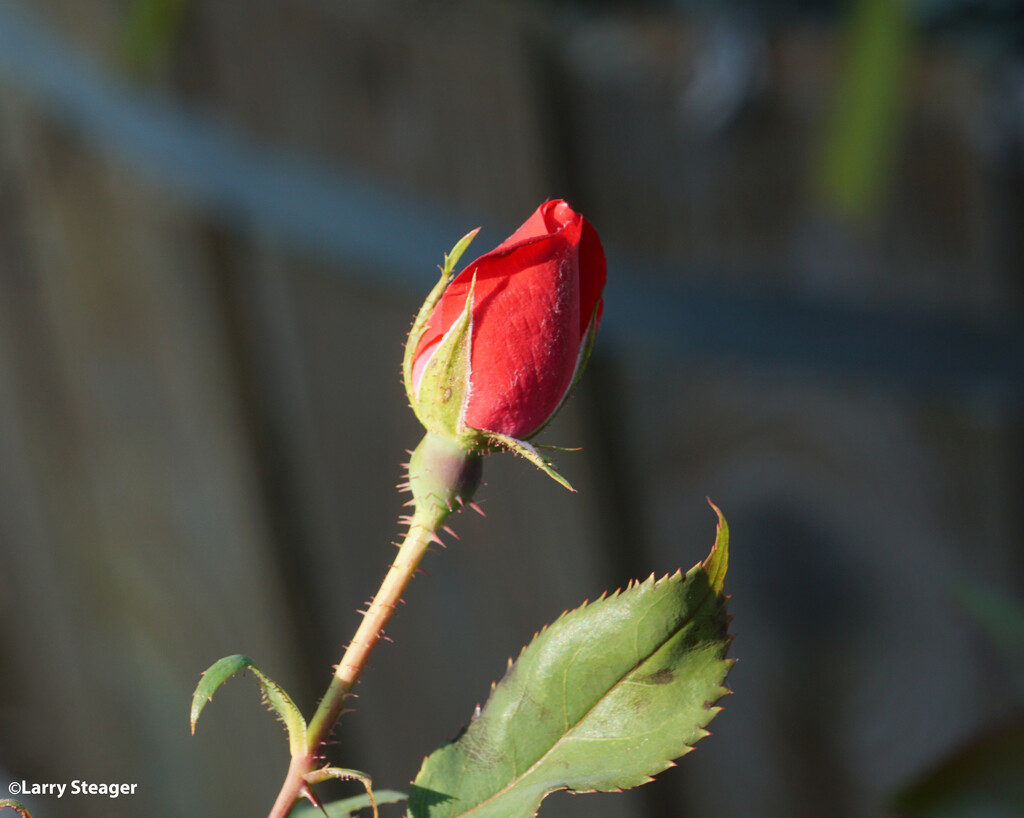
column 430, row 514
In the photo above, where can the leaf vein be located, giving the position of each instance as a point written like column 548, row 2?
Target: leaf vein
column 516, row 780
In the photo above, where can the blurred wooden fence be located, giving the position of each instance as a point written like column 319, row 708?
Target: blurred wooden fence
column 200, row 426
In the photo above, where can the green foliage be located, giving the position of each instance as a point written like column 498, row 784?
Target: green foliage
column 1001, row 619
column 601, row 700
column 274, row 695
column 150, row 31
column 982, row 778
column 868, row 107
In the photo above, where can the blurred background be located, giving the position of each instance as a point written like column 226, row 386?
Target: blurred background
column 217, row 220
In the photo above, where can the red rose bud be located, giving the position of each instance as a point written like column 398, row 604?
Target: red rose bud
column 497, row 348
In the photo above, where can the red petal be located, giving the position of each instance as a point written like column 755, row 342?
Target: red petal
column 534, row 297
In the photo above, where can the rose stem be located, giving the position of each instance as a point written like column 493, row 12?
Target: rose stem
column 444, row 474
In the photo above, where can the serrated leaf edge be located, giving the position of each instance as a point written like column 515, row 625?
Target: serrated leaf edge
column 717, row 561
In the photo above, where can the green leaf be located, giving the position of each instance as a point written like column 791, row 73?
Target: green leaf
column 10, row 802
column 349, row 806
column 601, row 700
column 274, row 695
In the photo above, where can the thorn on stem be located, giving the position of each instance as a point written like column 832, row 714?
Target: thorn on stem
column 307, row 793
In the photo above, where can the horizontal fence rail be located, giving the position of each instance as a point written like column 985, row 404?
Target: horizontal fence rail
column 390, row 239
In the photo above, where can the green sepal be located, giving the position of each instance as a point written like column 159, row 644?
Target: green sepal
column 419, row 325
column 452, row 258
column 529, row 451
column 717, row 561
column 273, row 694
column 606, row 697
column 444, row 386
column 15, row 805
